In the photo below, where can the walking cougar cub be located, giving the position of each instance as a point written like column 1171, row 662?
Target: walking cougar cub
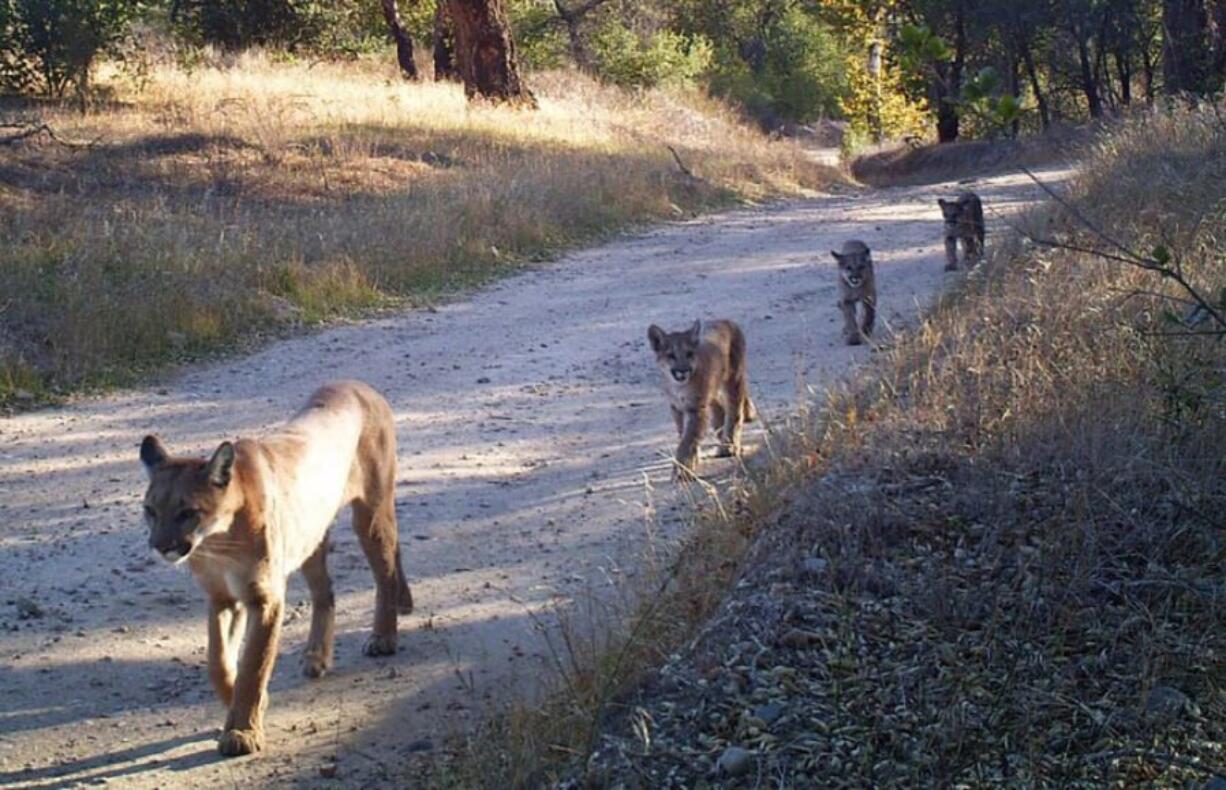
column 703, row 368
column 857, row 283
column 963, row 221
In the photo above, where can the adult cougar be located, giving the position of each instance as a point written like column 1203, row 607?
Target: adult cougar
column 963, row 222
column 259, row 509
column 704, row 375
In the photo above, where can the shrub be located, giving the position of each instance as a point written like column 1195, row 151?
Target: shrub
column 803, row 76
column 49, row 46
column 663, row 57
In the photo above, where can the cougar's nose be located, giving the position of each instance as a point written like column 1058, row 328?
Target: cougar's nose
column 680, row 375
column 172, row 548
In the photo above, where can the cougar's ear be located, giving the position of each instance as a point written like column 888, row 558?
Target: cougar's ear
column 696, row 331
column 656, row 337
column 942, row 202
column 221, row 465
column 837, row 256
column 152, row 453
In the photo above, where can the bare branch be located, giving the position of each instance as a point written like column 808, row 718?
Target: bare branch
column 680, row 164
column 27, row 130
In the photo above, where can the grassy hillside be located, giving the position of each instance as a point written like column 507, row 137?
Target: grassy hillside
column 998, row 559
column 202, row 208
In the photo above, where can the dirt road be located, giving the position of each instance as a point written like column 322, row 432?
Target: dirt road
column 533, row 473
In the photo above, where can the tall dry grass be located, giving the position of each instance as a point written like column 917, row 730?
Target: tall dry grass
column 211, row 205
column 1017, row 520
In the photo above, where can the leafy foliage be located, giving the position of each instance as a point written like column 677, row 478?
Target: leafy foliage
column 664, row 57
column 50, row 46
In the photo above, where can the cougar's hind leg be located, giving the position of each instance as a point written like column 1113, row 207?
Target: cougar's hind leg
column 317, row 659
column 376, row 529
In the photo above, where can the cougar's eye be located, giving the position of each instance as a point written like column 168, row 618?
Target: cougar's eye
column 186, row 515
column 689, row 355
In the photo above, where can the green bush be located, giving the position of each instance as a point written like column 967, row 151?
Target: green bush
column 663, row 57
column 315, row 25
column 802, row 77
column 49, row 46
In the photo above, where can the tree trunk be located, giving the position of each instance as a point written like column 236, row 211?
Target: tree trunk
column 948, row 121
column 444, row 45
column 1217, row 35
column 1147, row 74
column 1088, row 85
column 485, row 52
column 572, row 18
column 1035, row 85
column 1123, row 71
column 404, row 44
column 1185, row 46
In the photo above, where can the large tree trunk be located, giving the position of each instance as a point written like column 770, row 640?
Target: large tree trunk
column 404, row 44
column 444, row 45
column 485, row 52
column 1185, row 46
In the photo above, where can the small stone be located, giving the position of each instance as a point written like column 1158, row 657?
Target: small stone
column 1167, row 702
column 483, row 380
column 768, row 714
column 735, row 761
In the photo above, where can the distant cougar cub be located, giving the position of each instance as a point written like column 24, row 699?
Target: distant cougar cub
column 704, row 378
column 857, row 283
column 964, row 221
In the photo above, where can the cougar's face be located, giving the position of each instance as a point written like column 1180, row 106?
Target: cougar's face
column 854, row 267
column 676, row 351
column 951, row 210
column 186, row 499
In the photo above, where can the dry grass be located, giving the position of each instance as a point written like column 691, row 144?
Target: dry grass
column 997, row 560
column 222, row 202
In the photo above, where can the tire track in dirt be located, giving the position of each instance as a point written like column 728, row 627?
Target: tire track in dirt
column 533, row 473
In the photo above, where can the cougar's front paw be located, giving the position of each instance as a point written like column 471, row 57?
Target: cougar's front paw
column 683, row 472
column 315, row 664
column 235, row 743
column 380, row 645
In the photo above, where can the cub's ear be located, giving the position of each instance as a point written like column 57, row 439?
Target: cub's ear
column 942, row 202
column 221, row 465
column 657, row 338
column 696, row 331
column 152, row 453
column 837, row 256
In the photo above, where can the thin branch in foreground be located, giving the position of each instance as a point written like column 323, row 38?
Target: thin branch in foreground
column 1124, row 255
